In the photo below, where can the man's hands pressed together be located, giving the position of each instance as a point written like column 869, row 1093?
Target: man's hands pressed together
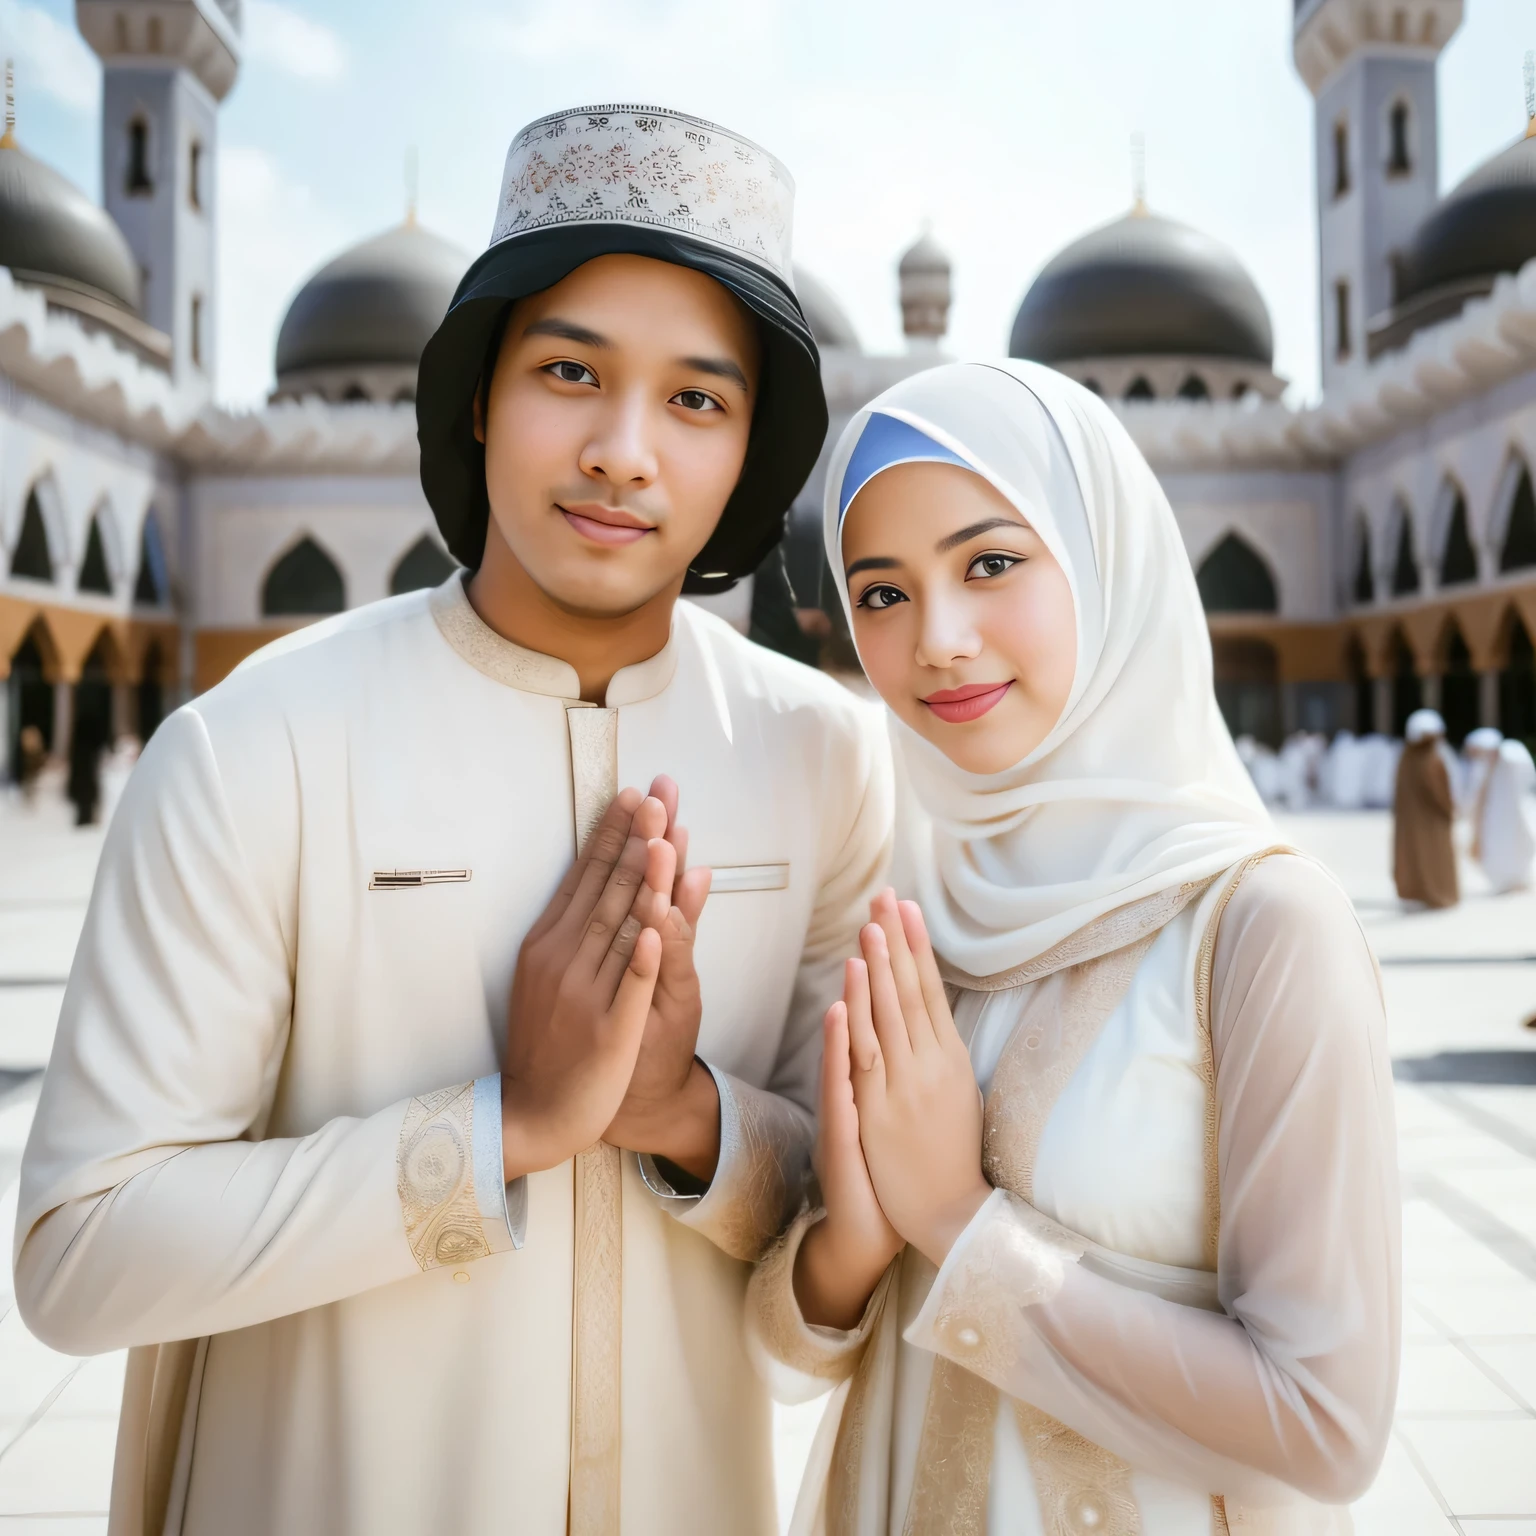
column 605, row 1007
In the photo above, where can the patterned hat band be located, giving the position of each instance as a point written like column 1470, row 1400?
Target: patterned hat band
column 653, row 168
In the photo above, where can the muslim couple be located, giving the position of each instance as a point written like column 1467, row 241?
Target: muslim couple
column 520, row 1026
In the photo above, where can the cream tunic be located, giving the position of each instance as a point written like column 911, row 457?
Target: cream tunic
column 1270, row 1380
column 257, row 1128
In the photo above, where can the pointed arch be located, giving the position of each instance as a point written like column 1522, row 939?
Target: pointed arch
column 1405, row 565
column 1364, row 589
column 1194, row 388
column 305, row 581
column 34, row 669
column 1517, row 549
column 1459, row 692
column 94, row 574
column 1458, row 559
column 33, row 555
column 425, row 564
column 1140, row 388
column 152, row 585
column 1234, row 578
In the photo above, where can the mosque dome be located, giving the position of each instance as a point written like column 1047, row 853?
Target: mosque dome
column 1485, row 226
column 922, row 282
column 1143, row 286
column 53, row 235
column 357, row 328
column 829, row 323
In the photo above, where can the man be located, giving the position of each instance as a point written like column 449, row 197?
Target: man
column 1423, row 812
column 414, row 1294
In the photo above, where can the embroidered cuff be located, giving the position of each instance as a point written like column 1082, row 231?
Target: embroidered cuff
column 498, row 1200
column 777, row 1332
column 759, row 1182
column 1009, row 1257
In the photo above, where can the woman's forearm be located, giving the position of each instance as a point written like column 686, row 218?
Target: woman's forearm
column 834, row 1280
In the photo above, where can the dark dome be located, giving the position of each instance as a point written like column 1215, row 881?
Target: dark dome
column 379, row 302
column 1143, row 285
column 829, row 325
column 1485, row 226
column 51, row 232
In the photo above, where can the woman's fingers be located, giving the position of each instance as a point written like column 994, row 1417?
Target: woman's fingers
column 890, row 1026
column 927, row 963
column 839, row 1118
column 863, row 1043
column 909, row 989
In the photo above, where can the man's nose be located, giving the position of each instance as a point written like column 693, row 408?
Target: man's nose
column 623, row 449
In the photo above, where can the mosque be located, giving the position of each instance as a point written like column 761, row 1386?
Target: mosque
column 1356, row 557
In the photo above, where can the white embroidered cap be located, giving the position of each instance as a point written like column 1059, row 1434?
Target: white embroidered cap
column 650, row 167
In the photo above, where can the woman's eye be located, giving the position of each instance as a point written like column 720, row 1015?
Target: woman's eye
column 984, row 566
column 572, row 373
column 695, row 400
column 882, row 597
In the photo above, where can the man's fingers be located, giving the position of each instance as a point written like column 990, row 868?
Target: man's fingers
column 885, row 1005
column 632, row 1001
column 927, row 963
column 615, row 902
column 648, row 911
column 585, row 880
column 909, row 988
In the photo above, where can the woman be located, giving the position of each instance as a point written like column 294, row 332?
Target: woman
column 1148, row 1283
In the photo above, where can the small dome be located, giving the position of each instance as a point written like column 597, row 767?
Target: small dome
column 1487, row 225
column 825, row 316
column 52, row 233
column 1143, row 286
column 922, row 258
column 377, row 303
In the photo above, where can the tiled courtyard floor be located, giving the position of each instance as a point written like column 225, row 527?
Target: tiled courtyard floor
column 1459, row 983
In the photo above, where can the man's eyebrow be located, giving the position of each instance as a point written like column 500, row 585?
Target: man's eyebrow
column 870, row 563
column 965, row 535
column 567, row 330
column 720, row 367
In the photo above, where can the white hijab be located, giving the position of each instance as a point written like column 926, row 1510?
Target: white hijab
column 1137, row 787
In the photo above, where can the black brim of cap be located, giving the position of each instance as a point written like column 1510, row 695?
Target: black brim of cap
column 788, row 425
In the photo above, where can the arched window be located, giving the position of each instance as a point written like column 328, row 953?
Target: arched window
column 94, row 575
column 1405, row 569
column 1365, row 578
column 1140, row 389
column 139, row 181
column 152, row 586
column 1233, row 578
column 424, row 564
column 1458, row 562
column 1519, row 549
column 1407, row 689
column 1399, row 161
column 1340, row 158
column 305, row 581
column 1193, row 388
column 1239, row 390
column 1092, row 386
column 32, row 557
column 31, row 699
column 1458, row 687
column 406, row 396
column 354, row 392
column 1517, row 684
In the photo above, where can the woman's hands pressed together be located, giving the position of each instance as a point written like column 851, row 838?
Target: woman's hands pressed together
column 899, row 1148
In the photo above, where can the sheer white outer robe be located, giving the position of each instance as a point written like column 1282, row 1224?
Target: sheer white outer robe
column 249, row 1032
column 1506, row 803
column 1078, row 892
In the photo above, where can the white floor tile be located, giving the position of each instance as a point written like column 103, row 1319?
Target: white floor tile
column 1513, row 1361
column 1480, row 1466
column 59, row 1466
column 1436, row 1249
column 29, row 1371
column 1399, row 1503
column 1489, row 1309
column 53, row 1525
column 1439, row 1379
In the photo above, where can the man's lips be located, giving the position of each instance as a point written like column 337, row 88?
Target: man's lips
column 605, row 525
column 955, row 706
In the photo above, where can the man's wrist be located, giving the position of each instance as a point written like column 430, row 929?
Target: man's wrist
column 684, row 1129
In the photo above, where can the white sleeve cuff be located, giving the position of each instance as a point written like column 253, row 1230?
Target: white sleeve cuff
column 502, row 1205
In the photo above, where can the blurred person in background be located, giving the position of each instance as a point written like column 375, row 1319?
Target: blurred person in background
column 1423, row 816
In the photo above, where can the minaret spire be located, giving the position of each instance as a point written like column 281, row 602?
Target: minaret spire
column 8, row 138
column 1139, row 173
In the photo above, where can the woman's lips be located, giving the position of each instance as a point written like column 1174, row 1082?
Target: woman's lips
column 955, row 706
column 605, row 525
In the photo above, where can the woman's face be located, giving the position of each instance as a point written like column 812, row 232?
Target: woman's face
column 962, row 616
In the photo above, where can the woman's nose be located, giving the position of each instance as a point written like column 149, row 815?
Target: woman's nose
column 946, row 634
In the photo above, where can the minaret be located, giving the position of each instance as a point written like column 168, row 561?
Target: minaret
column 166, row 65
column 1371, row 71
column 923, row 279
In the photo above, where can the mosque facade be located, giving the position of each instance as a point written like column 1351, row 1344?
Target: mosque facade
column 1357, row 557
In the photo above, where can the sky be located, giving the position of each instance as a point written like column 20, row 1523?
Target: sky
column 1006, row 124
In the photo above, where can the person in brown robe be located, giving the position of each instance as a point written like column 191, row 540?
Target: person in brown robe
column 1423, row 808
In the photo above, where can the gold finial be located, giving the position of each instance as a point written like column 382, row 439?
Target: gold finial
column 410, row 185
column 1139, row 174
column 1530, row 94
column 8, row 138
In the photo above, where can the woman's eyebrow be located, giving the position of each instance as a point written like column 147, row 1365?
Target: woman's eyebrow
column 870, row 563
column 965, row 535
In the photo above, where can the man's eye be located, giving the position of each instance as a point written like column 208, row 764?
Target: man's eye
column 695, row 400
column 878, row 597
column 984, row 566
column 572, row 373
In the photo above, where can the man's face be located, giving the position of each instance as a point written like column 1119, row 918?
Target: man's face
column 616, row 427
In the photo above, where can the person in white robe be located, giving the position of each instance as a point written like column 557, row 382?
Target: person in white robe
column 1380, row 770
column 370, row 1282
column 1506, row 824
column 1296, row 765
column 1151, row 1283
column 1346, row 772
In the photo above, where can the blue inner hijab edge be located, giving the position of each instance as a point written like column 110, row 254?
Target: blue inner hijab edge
column 885, row 442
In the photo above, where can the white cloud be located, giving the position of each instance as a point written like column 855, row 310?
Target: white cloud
column 50, row 57
column 278, row 35
column 273, row 232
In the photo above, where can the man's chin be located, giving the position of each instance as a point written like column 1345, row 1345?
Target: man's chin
column 601, row 594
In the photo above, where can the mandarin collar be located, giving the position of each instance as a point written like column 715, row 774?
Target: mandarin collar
column 514, row 666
